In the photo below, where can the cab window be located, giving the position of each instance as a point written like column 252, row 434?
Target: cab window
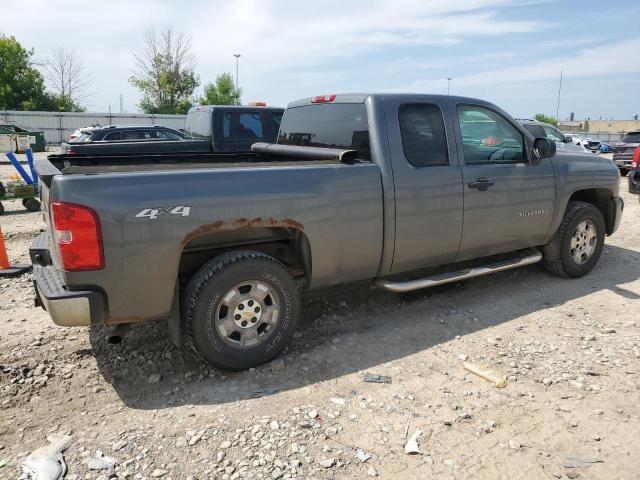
column 423, row 138
column 165, row 135
column 242, row 126
column 554, row 134
column 488, row 137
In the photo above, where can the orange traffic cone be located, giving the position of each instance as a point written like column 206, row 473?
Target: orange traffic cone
column 7, row 270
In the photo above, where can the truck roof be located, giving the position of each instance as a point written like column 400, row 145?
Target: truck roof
column 209, row 108
column 361, row 97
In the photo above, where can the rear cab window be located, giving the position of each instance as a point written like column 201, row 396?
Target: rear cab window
column 242, row 126
column 198, row 124
column 331, row 125
column 423, row 136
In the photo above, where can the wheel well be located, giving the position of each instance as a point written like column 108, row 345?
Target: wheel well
column 601, row 199
column 289, row 246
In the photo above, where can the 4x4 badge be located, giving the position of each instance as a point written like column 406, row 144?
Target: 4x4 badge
column 154, row 213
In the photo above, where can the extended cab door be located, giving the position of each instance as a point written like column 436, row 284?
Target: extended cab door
column 427, row 183
column 508, row 201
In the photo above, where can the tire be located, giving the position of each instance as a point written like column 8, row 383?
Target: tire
column 218, row 328
column 560, row 256
column 31, row 204
column 3, row 190
column 624, row 172
column 1, row 209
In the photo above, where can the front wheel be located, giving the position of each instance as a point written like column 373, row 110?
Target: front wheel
column 577, row 245
column 240, row 309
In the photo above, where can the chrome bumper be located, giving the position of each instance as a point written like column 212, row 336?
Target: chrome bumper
column 66, row 308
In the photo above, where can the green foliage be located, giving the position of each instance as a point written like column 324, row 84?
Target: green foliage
column 541, row 117
column 165, row 73
column 63, row 104
column 221, row 92
column 169, row 92
column 21, row 85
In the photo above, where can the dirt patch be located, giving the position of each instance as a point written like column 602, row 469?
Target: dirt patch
column 570, row 350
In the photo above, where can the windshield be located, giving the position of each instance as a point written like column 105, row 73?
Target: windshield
column 337, row 125
column 633, row 137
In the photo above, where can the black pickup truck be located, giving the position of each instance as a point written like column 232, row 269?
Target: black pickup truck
column 217, row 129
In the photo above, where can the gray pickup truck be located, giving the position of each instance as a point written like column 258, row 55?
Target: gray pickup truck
column 407, row 190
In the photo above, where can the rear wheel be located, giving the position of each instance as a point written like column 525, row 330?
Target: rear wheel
column 240, row 309
column 577, row 246
column 1, row 209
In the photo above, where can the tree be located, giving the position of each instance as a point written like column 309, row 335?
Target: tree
column 68, row 79
column 165, row 72
column 541, row 117
column 221, row 92
column 21, row 85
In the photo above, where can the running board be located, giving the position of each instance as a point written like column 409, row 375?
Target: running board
column 528, row 257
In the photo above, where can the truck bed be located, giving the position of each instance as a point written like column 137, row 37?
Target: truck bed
column 108, row 164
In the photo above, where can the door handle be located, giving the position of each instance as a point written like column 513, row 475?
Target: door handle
column 482, row 184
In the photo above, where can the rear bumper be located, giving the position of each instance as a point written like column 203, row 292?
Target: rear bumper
column 66, row 308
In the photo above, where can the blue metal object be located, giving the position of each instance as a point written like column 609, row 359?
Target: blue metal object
column 14, row 161
column 34, row 175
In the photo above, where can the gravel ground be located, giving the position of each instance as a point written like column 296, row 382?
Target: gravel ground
column 570, row 350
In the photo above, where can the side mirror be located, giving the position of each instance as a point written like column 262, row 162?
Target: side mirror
column 542, row 148
column 567, row 140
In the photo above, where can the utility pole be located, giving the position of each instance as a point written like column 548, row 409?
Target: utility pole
column 559, row 90
column 237, row 55
column 449, row 84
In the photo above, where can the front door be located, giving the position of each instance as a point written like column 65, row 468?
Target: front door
column 508, row 201
column 427, row 183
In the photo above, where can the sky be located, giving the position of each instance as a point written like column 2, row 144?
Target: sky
column 509, row 52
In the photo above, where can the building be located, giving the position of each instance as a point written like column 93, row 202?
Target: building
column 600, row 126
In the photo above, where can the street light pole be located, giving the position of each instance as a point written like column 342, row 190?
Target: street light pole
column 559, row 90
column 449, row 84
column 237, row 55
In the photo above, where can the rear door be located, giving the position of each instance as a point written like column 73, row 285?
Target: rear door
column 508, row 202
column 427, row 182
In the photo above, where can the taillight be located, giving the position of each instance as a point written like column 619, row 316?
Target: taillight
column 76, row 231
column 636, row 158
column 323, row 99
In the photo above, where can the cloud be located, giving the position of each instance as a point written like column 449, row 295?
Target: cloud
column 611, row 59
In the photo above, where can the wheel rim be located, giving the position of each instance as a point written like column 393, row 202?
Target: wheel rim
column 583, row 242
column 247, row 314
